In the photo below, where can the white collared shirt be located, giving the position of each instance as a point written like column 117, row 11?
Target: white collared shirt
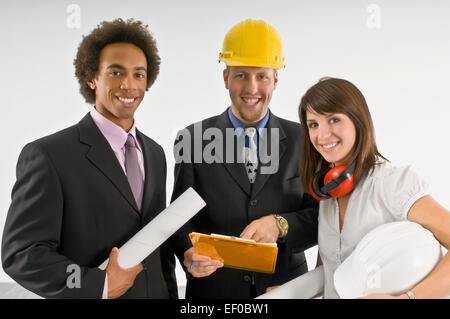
column 384, row 196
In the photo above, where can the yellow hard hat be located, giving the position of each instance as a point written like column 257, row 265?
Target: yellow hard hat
column 252, row 43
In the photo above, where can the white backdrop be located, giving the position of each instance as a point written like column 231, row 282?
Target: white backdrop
column 396, row 52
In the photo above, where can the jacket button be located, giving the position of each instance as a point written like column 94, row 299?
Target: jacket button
column 247, row 278
column 253, row 202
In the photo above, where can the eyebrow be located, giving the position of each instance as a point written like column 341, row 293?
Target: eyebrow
column 247, row 72
column 327, row 116
column 121, row 67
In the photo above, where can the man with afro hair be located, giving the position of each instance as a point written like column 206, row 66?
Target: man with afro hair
column 84, row 191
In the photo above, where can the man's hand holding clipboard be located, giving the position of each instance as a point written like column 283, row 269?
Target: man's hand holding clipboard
column 233, row 252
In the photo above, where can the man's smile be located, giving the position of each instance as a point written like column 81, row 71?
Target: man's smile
column 251, row 100
column 127, row 100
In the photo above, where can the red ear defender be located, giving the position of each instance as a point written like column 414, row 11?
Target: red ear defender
column 335, row 182
column 314, row 194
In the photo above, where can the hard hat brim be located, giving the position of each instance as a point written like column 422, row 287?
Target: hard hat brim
column 277, row 66
column 391, row 258
column 345, row 282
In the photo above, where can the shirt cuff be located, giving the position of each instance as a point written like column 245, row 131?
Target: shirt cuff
column 105, row 288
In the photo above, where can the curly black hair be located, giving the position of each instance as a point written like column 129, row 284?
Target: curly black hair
column 107, row 32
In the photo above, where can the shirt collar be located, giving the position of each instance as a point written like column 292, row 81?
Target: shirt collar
column 238, row 124
column 114, row 134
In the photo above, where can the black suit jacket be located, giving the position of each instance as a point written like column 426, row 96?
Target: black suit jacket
column 71, row 204
column 232, row 203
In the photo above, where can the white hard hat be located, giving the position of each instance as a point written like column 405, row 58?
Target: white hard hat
column 390, row 259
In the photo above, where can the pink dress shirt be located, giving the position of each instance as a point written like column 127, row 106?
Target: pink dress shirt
column 116, row 137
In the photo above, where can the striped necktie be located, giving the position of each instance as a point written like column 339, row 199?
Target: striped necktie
column 251, row 155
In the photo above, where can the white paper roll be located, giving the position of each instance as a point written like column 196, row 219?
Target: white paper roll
column 159, row 229
column 305, row 286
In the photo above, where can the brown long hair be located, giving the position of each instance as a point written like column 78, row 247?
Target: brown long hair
column 331, row 95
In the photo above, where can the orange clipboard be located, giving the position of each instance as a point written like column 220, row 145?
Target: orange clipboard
column 237, row 252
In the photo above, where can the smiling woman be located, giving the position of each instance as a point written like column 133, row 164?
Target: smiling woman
column 333, row 135
column 338, row 130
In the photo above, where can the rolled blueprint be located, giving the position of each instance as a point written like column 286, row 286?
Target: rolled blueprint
column 159, row 229
column 305, row 286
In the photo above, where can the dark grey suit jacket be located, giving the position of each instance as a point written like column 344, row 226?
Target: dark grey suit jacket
column 71, row 204
column 232, row 203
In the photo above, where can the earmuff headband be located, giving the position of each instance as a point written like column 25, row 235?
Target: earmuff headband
column 346, row 173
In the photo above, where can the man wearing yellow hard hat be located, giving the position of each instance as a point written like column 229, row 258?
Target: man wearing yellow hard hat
column 244, row 197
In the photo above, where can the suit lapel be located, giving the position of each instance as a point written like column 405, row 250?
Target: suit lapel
column 102, row 156
column 261, row 179
column 235, row 169
column 151, row 167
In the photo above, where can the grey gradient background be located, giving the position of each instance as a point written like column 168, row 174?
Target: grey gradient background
column 402, row 68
